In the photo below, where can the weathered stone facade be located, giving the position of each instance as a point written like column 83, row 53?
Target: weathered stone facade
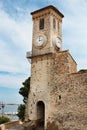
column 58, row 93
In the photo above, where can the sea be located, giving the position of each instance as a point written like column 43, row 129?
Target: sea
column 9, row 111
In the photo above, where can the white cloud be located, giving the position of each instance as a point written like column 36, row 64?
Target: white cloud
column 18, row 31
column 15, row 41
column 75, row 30
column 12, row 81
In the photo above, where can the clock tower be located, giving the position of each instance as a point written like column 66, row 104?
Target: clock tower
column 47, row 30
column 49, row 65
column 57, row 97
column 46, row 41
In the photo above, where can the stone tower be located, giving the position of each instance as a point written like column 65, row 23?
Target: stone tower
column 54, row 96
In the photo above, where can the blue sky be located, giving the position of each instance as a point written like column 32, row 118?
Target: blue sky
column 16, row 39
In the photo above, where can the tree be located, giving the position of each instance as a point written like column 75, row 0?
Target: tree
column 21, row 111
column 25, row 89
column 24, row 92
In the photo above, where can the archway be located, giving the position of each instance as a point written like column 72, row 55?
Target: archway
column 41, row 113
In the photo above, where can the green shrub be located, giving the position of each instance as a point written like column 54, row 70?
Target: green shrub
column 82, row 71
column 21, row 112
column 4, row 119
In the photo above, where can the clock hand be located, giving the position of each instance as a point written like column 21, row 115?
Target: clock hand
column 39, row 39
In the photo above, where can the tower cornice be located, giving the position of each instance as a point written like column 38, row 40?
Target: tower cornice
column 47, row 8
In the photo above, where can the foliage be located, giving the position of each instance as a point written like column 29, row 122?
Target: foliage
column 82, row 71
column 25, row 90
column 4, row 119
column 21, row 112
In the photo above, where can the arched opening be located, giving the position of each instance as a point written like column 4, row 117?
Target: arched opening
column 41, row 113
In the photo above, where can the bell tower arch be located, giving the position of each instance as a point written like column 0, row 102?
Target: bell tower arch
column 41, row 113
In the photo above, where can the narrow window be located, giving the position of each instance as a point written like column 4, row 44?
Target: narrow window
column 54, row 23
column 59, row 97
column 41, row 24
column 58, row 26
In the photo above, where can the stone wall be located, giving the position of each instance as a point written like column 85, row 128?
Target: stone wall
column 39, row 85
column 56, row 82
column 10, row 125
column 63, row 63
column 44, row 76
column 63, row 90
column 69, row 96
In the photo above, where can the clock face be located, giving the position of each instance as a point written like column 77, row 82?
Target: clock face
column 40, row 41
column 57, row 42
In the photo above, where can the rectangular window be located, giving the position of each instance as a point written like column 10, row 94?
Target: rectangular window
column 54, row 23
column 58, row 26
column 41, row 24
